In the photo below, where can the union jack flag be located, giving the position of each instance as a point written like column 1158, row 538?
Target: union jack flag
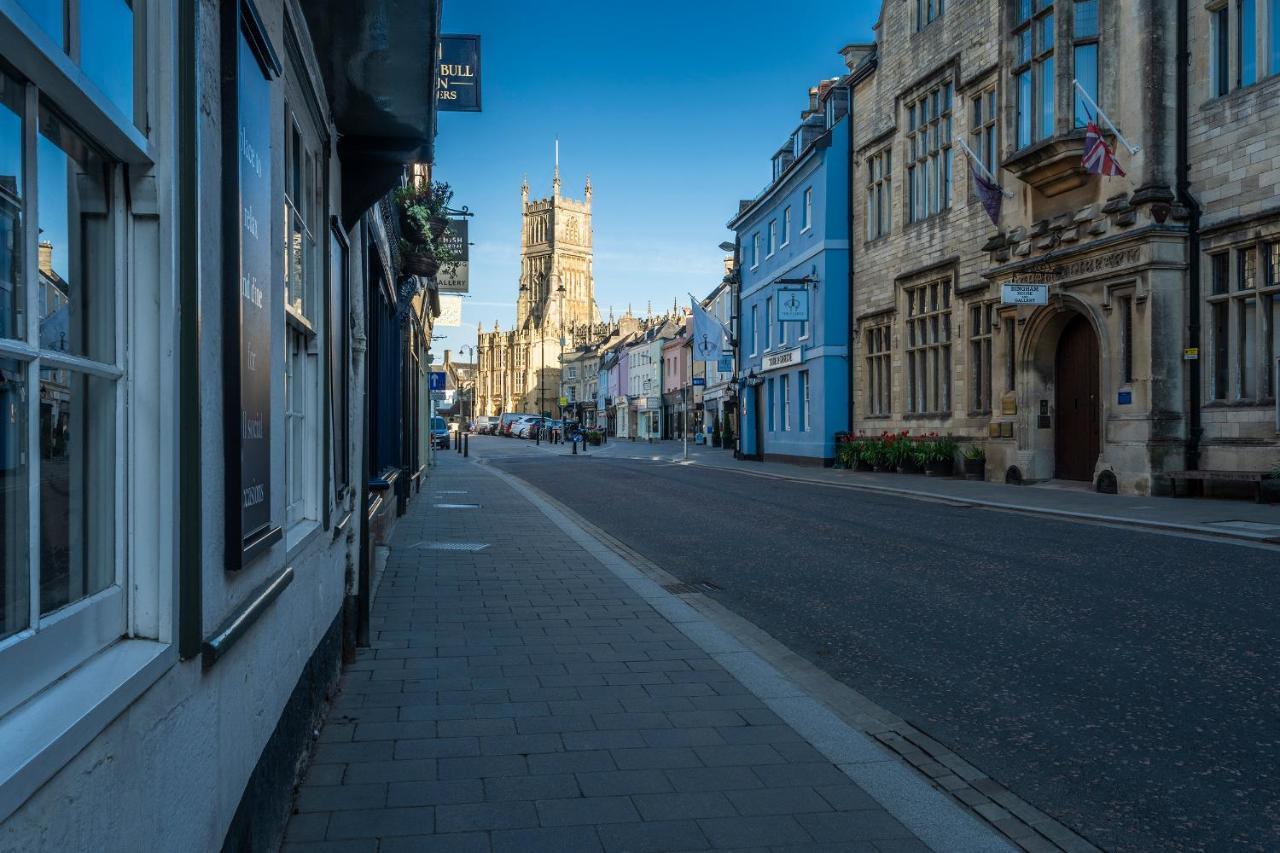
column 1099, row 159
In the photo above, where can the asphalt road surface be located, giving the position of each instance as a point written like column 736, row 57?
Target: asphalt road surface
column 1126, row 683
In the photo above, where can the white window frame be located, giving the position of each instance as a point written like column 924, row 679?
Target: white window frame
column 755, row 250
column 807, row 221
column 773, row 238
column 67, row 675
column 786, row 225
column 806, row 422
column 784, row 390
column 755, row 329
column 768, row 323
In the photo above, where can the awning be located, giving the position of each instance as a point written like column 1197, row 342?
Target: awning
column 378, row 61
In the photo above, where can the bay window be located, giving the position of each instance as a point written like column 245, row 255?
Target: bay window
column 1084, row 56
column 1033, row 72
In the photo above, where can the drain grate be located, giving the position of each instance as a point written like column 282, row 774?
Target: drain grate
column 690, row 588
column 453, row 546
column 456, row 506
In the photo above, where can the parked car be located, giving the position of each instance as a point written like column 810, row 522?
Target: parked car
column 439, row 433
column 507, row 420
column 524, row 428
column 486, row 424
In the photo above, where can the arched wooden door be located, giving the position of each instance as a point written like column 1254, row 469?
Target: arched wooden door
column 1078, row 432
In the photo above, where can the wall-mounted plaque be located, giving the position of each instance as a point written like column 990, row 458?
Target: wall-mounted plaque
column 247, row 328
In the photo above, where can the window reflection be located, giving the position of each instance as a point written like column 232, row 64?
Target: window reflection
column 77, row 501
column 49, row 15
column 106, row 49
column 11, row 298
column 14, row 504
column 75, row 250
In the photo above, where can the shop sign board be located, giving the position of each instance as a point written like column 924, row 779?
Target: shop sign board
column 1017, row 293
column 786, row 358
column 458, row 74
column 793, row 305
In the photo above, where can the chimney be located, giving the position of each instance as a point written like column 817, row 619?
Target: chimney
column 855, row 54
column 46, row 258
column 446, row 358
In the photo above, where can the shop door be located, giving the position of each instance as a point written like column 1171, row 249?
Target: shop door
column 1077, row 433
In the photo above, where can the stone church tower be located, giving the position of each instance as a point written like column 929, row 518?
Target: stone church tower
column 555, row 253
column 519, row 369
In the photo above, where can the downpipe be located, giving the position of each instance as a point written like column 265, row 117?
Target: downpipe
column 1191, row 454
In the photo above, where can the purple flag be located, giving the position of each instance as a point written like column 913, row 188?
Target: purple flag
column 989, row 192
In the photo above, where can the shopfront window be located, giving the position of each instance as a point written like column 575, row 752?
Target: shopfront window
column 60, row 387
column 101, row 36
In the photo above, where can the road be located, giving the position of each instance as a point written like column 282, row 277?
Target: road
column 1126, row 683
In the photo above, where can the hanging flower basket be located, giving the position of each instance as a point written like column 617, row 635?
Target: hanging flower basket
column 420, row 264
column 438, row 226
column 411, row 229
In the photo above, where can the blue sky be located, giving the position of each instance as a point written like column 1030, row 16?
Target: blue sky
column 674, row 109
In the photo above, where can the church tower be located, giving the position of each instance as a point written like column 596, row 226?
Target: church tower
column 555, row 253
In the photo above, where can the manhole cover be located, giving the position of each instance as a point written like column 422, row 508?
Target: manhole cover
column 456, row 506
column 690, row 588
column 453, row 546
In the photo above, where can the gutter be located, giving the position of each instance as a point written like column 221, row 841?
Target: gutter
column 1191, row 458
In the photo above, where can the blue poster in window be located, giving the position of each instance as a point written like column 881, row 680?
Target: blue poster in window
column 793, row 305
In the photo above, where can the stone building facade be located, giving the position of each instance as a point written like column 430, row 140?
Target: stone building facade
column 1234, row 152
column 519, row 368
column 1095, row 385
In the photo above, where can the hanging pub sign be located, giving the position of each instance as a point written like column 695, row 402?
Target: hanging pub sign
column 457, row 279
column 247, row 316
column 458, row 74
column 793, row 305
column 724, row 364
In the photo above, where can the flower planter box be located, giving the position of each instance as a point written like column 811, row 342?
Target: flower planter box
column 908, row 468
column 883, row 468
column 938, row 468
column 975, row 469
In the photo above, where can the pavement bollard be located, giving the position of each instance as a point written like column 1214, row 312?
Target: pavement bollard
column 466, row 447
column 575, row 448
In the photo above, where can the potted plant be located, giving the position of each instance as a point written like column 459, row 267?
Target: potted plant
column 975, row 463
column 846, row 454
column 940, row 456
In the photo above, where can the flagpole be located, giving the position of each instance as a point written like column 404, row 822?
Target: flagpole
column 1133, row 149
column 977, row 161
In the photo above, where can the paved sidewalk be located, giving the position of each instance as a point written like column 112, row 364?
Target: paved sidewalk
column 539, row 695
column 1233, row 519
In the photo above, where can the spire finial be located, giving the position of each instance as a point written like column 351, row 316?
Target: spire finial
column 555, row 177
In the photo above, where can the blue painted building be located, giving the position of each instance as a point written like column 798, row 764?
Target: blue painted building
column 793, row 248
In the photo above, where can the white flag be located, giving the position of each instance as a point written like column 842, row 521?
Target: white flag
column 708, row 334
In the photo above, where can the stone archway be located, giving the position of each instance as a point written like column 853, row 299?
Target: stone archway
column 1062, row 427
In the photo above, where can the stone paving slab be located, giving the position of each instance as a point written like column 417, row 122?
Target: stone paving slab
column 536, row 696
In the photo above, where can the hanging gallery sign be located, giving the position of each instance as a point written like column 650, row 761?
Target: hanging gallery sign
column 457, row 279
